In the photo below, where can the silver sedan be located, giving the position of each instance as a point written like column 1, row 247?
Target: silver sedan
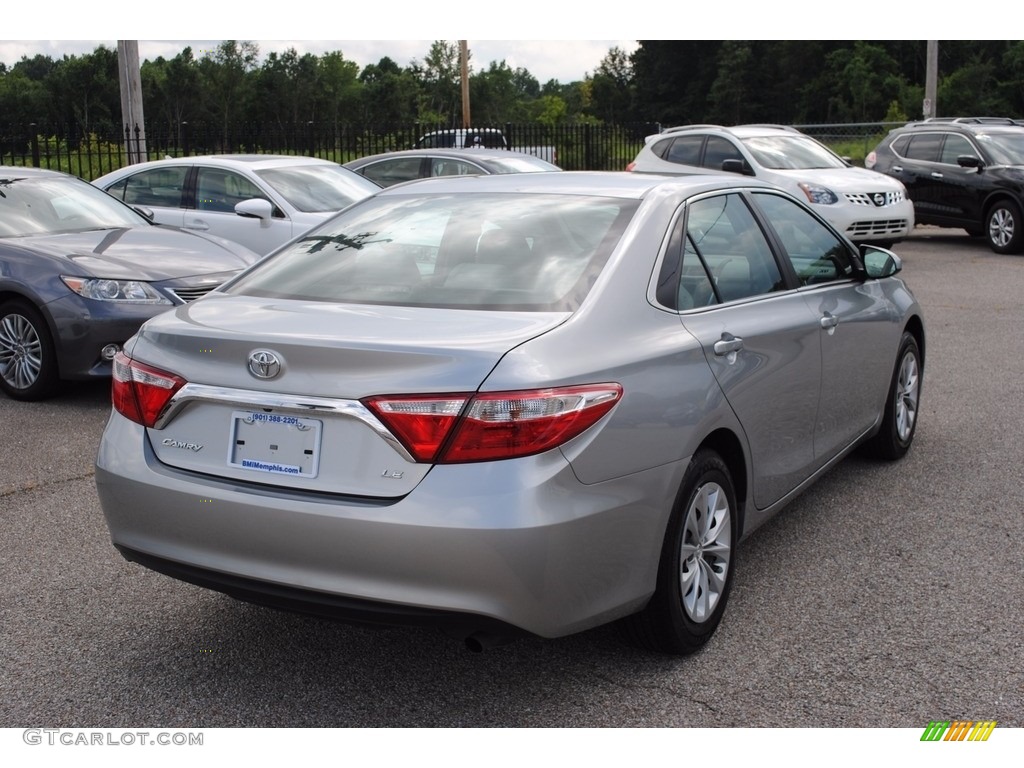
column 511, row 404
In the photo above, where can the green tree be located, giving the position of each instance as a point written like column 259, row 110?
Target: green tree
column 225, row 82
column 170, row 89
column 389, row 94
column 866, row 81
column 85, row 91
column 439, row 81
column 973, row 89
column 338, row 83
column 611, row 88
column 732, row 91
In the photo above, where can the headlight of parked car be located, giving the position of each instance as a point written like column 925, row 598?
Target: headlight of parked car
column 819, row 195
column 102, row 289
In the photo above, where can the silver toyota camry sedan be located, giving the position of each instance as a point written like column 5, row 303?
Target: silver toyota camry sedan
column 506, row 405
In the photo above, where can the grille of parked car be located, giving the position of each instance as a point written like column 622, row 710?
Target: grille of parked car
column 185, row 295
column 869, row 198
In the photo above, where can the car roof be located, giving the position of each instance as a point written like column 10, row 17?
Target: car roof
column 959, row 125
column 469, row 152
column 740, row 131
column 621, row 184
column 249, row 162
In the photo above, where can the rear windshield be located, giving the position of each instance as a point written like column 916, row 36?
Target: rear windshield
column 504, row 252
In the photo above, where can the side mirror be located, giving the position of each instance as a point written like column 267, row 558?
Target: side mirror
column 737, row 166
column 257, row 208
column 879, row 262
column 144, row 212
column 970, row 161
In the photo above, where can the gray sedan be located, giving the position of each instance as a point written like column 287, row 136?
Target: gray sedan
column 504, row 405
column 394, row 167
column 80, row 272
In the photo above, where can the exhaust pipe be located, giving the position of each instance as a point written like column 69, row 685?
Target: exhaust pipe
column 478, row 642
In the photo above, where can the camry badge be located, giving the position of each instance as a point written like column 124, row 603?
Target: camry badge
column 170, row 442
column 264, row 364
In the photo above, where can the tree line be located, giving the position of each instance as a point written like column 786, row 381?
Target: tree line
column 666, row 81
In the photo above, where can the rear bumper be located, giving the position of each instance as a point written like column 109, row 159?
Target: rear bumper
column 476, row 630
column 491, row 549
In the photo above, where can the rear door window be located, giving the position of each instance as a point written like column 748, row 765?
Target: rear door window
column 685, row 150
column 924, row 147
column 157, row 187
column 389, row 172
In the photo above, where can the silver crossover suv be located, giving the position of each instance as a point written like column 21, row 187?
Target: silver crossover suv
column 510, row 404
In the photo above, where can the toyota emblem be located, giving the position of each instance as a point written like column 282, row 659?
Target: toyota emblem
column 264, row 364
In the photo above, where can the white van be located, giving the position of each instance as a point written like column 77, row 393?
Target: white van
column 485, row 138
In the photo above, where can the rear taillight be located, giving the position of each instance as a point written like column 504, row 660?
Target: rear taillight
column 139, row 392
column 420, row 423
column 450, row 429
column 631, row 166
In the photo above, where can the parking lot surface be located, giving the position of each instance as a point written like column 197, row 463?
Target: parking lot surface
column 888, row 595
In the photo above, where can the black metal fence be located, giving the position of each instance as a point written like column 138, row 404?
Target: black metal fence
column 91, row 153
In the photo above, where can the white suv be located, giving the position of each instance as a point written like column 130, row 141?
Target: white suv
column 867, row 206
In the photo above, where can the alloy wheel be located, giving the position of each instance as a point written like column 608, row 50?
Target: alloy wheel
column 21, row 352
column 1001, row 227
column 907, row 390
column 705, row 552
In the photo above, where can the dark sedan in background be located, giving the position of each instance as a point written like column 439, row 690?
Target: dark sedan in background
column 393, row 167
column 80, row 272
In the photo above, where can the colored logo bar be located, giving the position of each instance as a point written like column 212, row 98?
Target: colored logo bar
column 958, row 730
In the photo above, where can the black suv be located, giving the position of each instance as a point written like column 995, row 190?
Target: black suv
column 963, row 172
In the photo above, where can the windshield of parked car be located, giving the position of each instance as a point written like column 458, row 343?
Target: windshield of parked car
column 471, row 251
column 318, row 188
column 36, row 205
column 1004, row 148
column 791, row 153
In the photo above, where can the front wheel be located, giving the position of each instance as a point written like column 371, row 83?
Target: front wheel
column 899, row 421
column 28, row 363
column 697, row 561
column 1004, row 228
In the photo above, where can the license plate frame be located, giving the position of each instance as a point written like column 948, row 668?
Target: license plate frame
column 275, row 443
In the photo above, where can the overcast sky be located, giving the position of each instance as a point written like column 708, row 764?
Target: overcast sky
column 552, row 41
column 519, row 32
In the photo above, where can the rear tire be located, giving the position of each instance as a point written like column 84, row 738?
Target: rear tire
column 696, row 566
column 899, row 421
column 28, row 362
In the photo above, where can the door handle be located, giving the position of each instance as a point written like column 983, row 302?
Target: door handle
column 937, row 175
column 728, row 344
column 197, row 224
column 829, row 321
column 898, row 168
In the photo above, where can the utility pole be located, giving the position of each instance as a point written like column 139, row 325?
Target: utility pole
column 464, row 76
column 131, row 100
column 931, row 77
